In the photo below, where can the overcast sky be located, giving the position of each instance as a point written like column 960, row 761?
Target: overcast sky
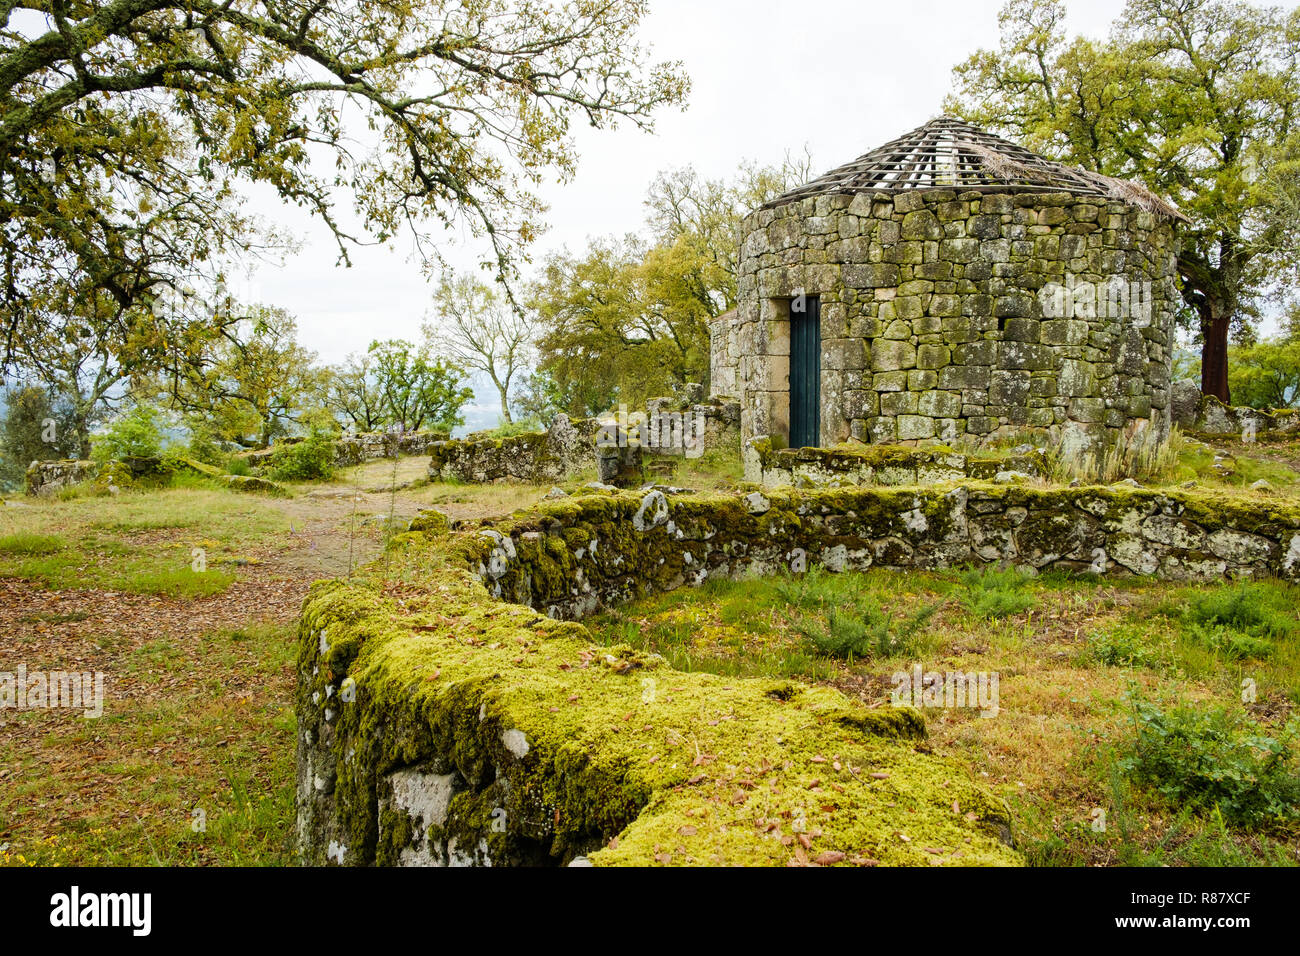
column 837, row 76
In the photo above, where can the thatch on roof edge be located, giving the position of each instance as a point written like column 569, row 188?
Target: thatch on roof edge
column 1121, row 190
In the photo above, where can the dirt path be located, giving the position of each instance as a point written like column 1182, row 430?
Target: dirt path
column 198, row 700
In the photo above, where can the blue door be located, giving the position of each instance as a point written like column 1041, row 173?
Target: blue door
column 805, row 373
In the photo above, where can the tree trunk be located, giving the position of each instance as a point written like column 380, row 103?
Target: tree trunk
column 505, row 404
column 1214, row 354
column 1213, row 291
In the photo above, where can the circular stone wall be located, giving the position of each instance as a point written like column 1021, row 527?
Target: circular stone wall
column 947, row 315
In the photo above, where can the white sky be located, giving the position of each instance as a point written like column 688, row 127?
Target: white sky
column 839, row 76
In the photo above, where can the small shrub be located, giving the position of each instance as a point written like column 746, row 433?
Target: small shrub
column 817, row 588
column 1212, row 759
column 995, row 593
column 863, row 630
column 1231, row 644
column 203, row 444
column 238, row 466
column 311, row 459
column 135, row 434
column 321, row 422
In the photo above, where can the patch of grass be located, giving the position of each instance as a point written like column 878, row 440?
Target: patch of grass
column 82, row 491
column 1251, row 470
column 69, row 618
column 1055, row 749
column 139, row 541
column 995, row 593
column 191, row 480
column 197, row 770
column 1245, row 621
column 1128, row 644
column 1230, row 643
column 1124, row 830
column 1260, row 609
column 1143, row 457
column 1246, row 466
column 716, row 470
column 29, row 543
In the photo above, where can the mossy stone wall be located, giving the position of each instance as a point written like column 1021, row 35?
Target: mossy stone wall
column 564, row 449
column 577, row 554
column 50, row 477
column 933, row 318
column 448, row 714
column 1206, row 415
column 888, row 465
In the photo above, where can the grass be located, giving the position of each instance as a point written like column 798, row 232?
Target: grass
column 187, row 766
column 1225, row 465
column 28, row 543
column 1070, row 652
column 140, row 542
column 997, row 592
column 733, row 632
column 1241, row 467
column 207, row 724
column 1143, row 457
column 715, row 470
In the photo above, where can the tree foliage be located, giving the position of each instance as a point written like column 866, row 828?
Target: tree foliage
column 1197, row 99
column 397, row 384
column 629, row 319
column 482, row 330
column 418, row 390
column 137, row 432
column 1266, row 374
column 128, row 129
column 354, row 396
column 255, row 384
column 37, row 426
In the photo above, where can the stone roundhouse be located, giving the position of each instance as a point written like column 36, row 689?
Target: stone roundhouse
column 952, row 285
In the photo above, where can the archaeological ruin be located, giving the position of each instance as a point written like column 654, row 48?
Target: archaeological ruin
column 952, row 286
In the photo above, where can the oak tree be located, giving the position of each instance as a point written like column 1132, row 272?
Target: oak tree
column 1196, row 99
column 130, row 129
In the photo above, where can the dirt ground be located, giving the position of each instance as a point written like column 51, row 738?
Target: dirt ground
column 199, row 689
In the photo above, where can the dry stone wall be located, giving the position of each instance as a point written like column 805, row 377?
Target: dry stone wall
column 561, row 451
column 689, row 430
column 357, row 449
column 724, row 357
column 659, row 542
column 886, row 465
column 949, row 314
column 463, row 723
column 1206, row 415
column 51, row 477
